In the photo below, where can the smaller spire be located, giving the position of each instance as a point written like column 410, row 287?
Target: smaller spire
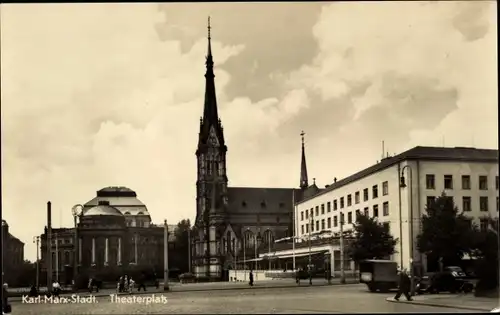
column 303, row 167
column 209, row 39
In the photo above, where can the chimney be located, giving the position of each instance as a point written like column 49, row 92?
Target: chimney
column 335, row 180
column 103, row 203
column 326, row 186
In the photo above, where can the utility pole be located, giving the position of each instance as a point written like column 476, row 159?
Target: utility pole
column 189, row 248
column 269, row 248
column 342, row 271
column 57, row 259
column 36, row 240
column 293, row 230
column 165, row 257
column 49, row 246
column 310, row 260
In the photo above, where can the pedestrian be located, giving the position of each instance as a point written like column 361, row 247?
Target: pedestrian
column 6, row 307
column 90, row 285
column 297, row 276
column 251, row 278
column 404, row 286
column 125, row 283
column 121, row 284
column 130, row 285
column 142, row 283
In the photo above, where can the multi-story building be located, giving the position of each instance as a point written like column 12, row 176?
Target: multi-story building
column 397, row 190
column 114, row 232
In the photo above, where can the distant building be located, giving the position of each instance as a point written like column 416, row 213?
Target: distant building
column 12, row 253
column 468, row 175
column 114, row 232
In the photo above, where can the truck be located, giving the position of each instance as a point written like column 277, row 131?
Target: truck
column 379, row 275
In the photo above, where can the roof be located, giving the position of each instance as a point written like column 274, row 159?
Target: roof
column 252, row 200
column 123, row 204
column 459, row 154
column 103, row 210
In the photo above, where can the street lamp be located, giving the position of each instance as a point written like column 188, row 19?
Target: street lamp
column 77, row 210
column 165, row 257
column 36, row 240
column 311, row 224
column 402, row 184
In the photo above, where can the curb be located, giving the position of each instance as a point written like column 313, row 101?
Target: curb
column 19, row 299
column 425, row 303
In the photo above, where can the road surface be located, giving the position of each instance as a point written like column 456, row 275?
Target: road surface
column 352, row 298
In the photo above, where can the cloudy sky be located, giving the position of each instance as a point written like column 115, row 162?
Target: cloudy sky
column 97, row 95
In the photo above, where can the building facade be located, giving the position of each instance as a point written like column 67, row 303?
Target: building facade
column 12, row 254
column 468, row 175
column 114, row 233
column 233, row 222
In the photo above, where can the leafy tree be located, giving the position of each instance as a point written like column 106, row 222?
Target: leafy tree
column 180, row 252
column 485, row 250
column 371, row 240
column 446, row 234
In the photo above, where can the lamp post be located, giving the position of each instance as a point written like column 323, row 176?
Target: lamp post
column 410, row 222
column 310, row 260
column 77, row 210
column 269, row 247
column 36, row 240
column 342, row 259
column 189, row 248
column 165, row 257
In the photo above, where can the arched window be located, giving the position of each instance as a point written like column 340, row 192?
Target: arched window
column 228, row 241
column 249, row 239
column 140, row 213
column 127, row 213
column 268, row 237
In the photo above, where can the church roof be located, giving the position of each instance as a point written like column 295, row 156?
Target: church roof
column 103, row 209
column 261, row 200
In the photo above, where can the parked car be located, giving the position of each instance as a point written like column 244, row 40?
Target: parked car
column 452, row 279
column 379, row 275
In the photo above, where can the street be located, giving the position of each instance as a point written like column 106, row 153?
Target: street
column 351, row 298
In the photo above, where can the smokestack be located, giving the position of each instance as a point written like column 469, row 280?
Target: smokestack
column 49, row 246
column 383, row 148
column 335, row 180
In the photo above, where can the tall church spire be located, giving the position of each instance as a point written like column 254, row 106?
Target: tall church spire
column 303, row 167
column 210, row 114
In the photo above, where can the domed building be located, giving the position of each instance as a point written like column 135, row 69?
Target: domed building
column 115, row 234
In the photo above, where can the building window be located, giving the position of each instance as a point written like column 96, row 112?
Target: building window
column 483, row 204
column 358, row 213
column 307, row 214
column 375, row 191
column 335, row 205
column 263, row 205
column 335, row 221
column 365, row 194
column 349, row 200
column 448, row 181
column 328, row 207
column 302, row 229
column 329, row 223
column 430, row 182
column 366, row 211
column 317, row 210
column 385, row 208
column 483, row 182
column 317, row 225
column 312, row 212
column 385, row 188
column 375, row 211
column 466, row 204
column 356, row 197
column 323, row 209
column 483, row 225
column 307, row 228
column 341, row 202
column 349, row 217
column 312, row 226
column 302, row 215
column 66, row 258
column 465, row 182
column 322, row 224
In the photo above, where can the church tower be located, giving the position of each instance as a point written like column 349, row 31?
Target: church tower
column 211, row 184
column 304, row 183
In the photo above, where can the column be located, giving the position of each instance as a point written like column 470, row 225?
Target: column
column 80, row 251
column 106, row 252
column 93, row 250
column 119, row 258
column 135, row 248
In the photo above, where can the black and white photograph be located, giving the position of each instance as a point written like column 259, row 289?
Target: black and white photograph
column 249, row 157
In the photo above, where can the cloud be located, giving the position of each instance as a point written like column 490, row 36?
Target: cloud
column 97, row 95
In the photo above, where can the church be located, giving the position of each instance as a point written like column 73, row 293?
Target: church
column 234, row 223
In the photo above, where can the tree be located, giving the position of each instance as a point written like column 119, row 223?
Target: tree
column 371, row 240
column 446, row 234
column 485, row 250
column 180, row 253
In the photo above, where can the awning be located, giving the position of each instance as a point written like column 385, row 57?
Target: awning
column 250, row 260
column 299, row 255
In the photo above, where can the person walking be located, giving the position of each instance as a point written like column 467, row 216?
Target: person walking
column 251, row 278
column 6, row 307
column 404, row 286
column 141, row 283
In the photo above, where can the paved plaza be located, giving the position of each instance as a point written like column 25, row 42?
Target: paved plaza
column 350, row 298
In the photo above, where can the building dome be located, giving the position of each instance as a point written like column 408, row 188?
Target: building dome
column 103, row 209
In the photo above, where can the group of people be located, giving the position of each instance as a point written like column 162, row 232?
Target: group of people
column 127, row 284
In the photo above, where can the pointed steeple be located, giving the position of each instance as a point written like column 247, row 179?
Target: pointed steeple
column 210, row 114
column 304, row 183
